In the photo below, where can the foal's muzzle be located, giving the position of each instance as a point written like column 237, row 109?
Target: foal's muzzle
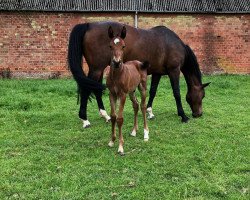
column 116, row 64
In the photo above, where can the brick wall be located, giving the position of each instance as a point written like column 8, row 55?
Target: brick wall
column 35, row 43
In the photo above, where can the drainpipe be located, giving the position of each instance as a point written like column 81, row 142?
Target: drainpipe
column 136, row 19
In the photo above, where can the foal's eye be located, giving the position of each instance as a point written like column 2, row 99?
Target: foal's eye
column 110, row 47
column 123, row 47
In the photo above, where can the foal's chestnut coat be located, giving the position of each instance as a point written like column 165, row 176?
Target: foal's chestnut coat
column 123, row 79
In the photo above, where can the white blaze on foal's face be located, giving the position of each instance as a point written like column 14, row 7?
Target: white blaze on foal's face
column 117, row 47
column 116, row 40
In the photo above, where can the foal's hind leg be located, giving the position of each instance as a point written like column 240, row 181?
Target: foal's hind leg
column 136, row 108
column 143, row 88
column 174, row 76
column 152, row 92
column 112, row 100
column 120, row 123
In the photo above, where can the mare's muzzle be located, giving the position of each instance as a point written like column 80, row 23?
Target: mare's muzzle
column 196, row 115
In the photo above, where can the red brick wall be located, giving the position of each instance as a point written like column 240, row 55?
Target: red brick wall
column 35, row 44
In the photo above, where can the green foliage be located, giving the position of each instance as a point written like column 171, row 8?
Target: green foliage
column 45, row 153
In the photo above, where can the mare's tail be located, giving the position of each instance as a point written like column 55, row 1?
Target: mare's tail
column 75, row 54
column 145, row 65
column 191, row 65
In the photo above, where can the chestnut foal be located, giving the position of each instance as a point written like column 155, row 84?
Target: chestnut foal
column 123, row 79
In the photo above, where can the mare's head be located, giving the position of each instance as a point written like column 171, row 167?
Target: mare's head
column 194, row 98
column 117, row 46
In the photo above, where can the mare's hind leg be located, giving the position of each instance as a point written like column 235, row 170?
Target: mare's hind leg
column 143, row 91
column 152, row 92
column 100, row 104
column 136, row 108
column 83, row 108
column 174, row 76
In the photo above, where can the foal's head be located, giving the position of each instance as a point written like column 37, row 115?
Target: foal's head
column 117, row 46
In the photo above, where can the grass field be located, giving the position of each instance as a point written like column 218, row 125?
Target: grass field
column 45, row 153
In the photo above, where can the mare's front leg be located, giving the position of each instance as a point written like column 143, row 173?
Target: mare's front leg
column 152, row 92
column 120, row 123
column 112, row 99
column 136, row 108
column 174, row 75
column 143, row 91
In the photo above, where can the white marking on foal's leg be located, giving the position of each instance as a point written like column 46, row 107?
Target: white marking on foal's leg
column 120, row 150
column 150, row 113
column 111, row 143
column 86, row 123
column 104, row 114
column 133, row 133
column 146, row 135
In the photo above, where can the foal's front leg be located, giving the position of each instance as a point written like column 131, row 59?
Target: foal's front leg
column 112, row 99
column 120, row 123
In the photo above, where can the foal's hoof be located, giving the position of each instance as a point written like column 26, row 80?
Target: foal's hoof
column 151, row 117
column 121, row 153
column 133, row 133
column 111, row 144
column 185, row 119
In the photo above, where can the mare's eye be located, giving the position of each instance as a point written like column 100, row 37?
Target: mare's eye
column 123, row 47
column 110, row 47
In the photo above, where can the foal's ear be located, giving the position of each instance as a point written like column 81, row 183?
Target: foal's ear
column 123, row 33
column 205, row 84
column 111, row 32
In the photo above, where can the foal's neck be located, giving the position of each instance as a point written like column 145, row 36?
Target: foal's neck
column 116, row 72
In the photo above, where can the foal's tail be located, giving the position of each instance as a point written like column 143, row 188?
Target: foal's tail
column 75, row 54
column 191, row 65
column 145, row 65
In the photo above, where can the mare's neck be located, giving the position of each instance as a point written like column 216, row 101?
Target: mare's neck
column 192, row 80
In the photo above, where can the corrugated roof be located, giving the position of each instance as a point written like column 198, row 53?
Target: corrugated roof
column 192, row 6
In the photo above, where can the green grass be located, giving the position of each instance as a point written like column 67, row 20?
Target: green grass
column 45, row 153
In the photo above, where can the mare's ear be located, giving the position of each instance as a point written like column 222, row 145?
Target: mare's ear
column 111, row 32
column 123, row 33
column 205, row 84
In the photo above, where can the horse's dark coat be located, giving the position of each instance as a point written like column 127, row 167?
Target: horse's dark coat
column 161, row 47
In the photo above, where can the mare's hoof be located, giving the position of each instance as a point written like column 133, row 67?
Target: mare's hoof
column 87, row 126
column 108, row 120
column 150, row 113
column 184, row 119
column 146, row 139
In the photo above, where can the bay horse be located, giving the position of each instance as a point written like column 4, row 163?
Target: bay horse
column 160, row 46
column 123, row 79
